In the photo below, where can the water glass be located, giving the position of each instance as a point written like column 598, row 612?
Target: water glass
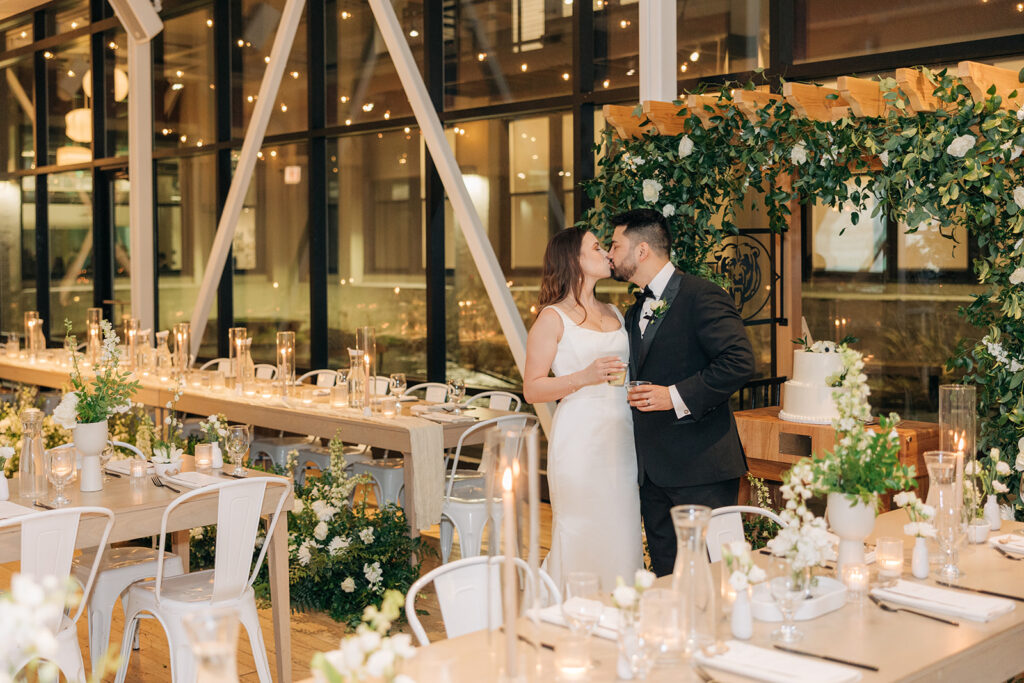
column 213, row 634
column 397, row 381
column 60, row 468
column 658, row 630
column 572, row 661
column 582, row 607
column 456, row 392
column 237, row 444
column 788, row 590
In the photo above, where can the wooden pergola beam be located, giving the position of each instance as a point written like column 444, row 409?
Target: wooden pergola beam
column 813, row 101
column 622, row 120
column 980, row 77
column 698, row 105
column 667, row 118
column 865, row 96
column 751, row 101
column 918, row 89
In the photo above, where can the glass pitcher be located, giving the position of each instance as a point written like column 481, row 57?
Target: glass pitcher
column 31, row 469
column 144, row 358
column 164, row 360
column 691, row 578
column 356, row 378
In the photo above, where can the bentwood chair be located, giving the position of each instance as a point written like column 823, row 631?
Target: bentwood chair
column 726, row 525
column 228, row 584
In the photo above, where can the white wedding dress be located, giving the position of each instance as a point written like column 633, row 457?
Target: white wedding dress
column 595, row 499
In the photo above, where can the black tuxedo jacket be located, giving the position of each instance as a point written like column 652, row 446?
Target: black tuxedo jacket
column 700, row 346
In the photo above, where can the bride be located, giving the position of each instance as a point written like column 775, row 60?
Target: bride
column 591, row 458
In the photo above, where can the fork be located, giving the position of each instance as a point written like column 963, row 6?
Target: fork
column 889, row 608
column 159, row 482
column 1007, row 555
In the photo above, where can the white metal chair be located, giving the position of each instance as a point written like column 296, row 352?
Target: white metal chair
column 218, row 364
column 265, row 371
column 229, row 583
column 48, row 542
column 434, row 392
column 726, row 525
column 322, row 378
column 496, row 400
column 464, row 590
column 465, row 500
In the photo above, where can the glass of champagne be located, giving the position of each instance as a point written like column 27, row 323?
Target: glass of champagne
column 237, row 443
column 456, row 392
column 60, row 468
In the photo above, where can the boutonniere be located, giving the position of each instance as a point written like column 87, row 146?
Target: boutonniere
column 658, row 309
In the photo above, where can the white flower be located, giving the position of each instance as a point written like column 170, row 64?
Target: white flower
column 6, row 452
column 738, row 580
column 923, row 529
column 651, row 190
column 1020, row 113
column 372, row 572
column 66, row 413
column 884, row 158
column 348, row 585
column 999, row 487
column 1018, row 464
column 338, row 545
column 927, row 511
column 1002, row 468
column 668, row 210
column 1018, row 196
column 685, row 146
column 304, row 555
column 798, row 155
column 904, row 498
column 971, row 468
column 624, row 596
column 366, row 535
column 756, row 575
column 320, row 531
column 643, row 579
column 1006, row 513
column 299, row 506
column 961, row 145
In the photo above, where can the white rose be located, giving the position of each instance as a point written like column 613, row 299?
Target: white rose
column 901, row 499
column 884, row 158
column 299, row 506
column 401, row 645
column 1017, row 150
column 668, row 210
column 1018, row 196
column 644, row 579
column 927, row 511
column 961, row 145
column 738, row 580
column 1017, row 276
column 685, row 146
column 6, row 452
column 999, row 487
column 624, row 596
column 756, row 575
column 1006, row 513
column 798, row 155
column 320, row 532
column 348, row 585
column 994, row 453
column 66, row 413
column 380, row 662
column 1002, row 468
column 1018, row 464
column 651, row 190
column 971, row 468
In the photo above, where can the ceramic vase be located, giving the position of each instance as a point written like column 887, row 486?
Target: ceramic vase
column 919, row 560
column 90, row 440
column 852, row 521
column 992, row 513
column 742, row 620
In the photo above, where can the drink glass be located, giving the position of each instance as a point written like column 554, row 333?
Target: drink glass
column 889, row 556
column 658, row 629
column 397, row 383
column 237, row 443
column 619, row 378
column 788, row 590
column 213, row 634
column 60, row 468
column 582, row 607
column 456, row 392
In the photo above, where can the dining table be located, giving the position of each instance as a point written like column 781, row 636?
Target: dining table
column 903, row 647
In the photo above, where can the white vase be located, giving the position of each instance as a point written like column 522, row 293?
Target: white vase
column 216, row 457
column 977, row 531
column 919, row 560
column 90, row 440
column 992, row 513
column 852, row 521
column 5, row 490
column 742, row 621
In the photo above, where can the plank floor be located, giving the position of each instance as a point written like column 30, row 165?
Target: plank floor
column 312, row 632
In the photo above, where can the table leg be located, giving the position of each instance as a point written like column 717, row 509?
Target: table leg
column 280, row 598
column 410, row 496
column 180, row 541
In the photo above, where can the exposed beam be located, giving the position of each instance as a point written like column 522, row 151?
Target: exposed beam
column 140, row 171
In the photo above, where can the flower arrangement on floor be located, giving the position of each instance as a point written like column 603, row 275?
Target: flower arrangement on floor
column 11, row 428
column 110, row 391
column 370, row 653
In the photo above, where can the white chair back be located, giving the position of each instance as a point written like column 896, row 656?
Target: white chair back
column 239, row 506
column 469, row 593
column 726, row 525
column 496, row 400
column 381, row 385
column 322, row 378
column 218, row 364
column 435, row 392
column 48, row 541
column 522, row 423
column 127, row 446
column 266, row 371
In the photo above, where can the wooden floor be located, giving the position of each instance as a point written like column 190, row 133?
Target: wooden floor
column 311, row 632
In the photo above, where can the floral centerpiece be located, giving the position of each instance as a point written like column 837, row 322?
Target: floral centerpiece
column 627, row 597
column 168, row 446
column 920, row 527
column 370, row 653
column 804, row 540
column 984, row 476
column 12, row 431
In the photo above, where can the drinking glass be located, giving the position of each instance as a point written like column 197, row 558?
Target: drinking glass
column 213, row 634
column 60, row 468
column 658, row 629
column 456, row 392
column 397, row 383
column 105, row 455
column 237, row 444
column 889, row 556
column 582, row 607
column 788, row 590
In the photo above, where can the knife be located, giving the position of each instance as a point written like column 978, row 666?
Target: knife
column 827, row 658
column 45, row 506
column 979, row 590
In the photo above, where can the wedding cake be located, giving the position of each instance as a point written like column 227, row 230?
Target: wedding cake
column 807, row 397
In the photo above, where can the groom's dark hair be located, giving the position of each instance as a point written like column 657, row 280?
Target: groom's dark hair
column 646, row 225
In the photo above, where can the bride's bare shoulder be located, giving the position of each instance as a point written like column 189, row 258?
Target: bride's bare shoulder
column 548, row 322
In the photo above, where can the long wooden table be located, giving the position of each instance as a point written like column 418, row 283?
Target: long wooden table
column 904, row 647
column 138, row 507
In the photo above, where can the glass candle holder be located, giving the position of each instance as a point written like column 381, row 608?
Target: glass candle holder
column 236, row 338
column 204, row 456
column 339, row 395
column 389, row 406
column 267, row 390
column 572, row 658
column 286, row 361
column 855, row 578
column 137, row 468
column 182, row 346
column 889, row 559
column 249, row 387
column 958, row 425
column 217, row 382
column 307, row 394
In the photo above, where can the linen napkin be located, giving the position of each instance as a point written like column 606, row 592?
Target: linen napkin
column 1011, row 543
column 607, row 627
column 762, row 664
column 953, row 603
column 448, row 418
column 193, row 480
column 9, row 509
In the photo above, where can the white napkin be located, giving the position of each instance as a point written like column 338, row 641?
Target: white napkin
column 122, row 466
column 431, row 408
column 1011, row 543
column 762, row 664
column 193, row 480
column 607, row 627
column 945, row 601
column 448, row 418
column 9, row 509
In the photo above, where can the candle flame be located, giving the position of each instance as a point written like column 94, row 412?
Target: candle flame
column 506, row 479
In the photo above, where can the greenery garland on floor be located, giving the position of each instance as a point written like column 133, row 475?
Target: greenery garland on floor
column 960, row 166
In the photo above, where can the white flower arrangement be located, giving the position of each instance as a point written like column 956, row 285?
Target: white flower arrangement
column 920, row 514
column 628, row 597
column 167, row 453
column 740, row 564
column 804, row 539
column 994, row 347
column 108, row 393
column 988, row 471
column 214, row 428
column 961, row 145
column 651, row 190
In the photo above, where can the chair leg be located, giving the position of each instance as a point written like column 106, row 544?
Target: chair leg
column 250, row 619
column 470, row 541
column 183, row 662
column 447, row 539
column 99, row 633
column 69, row 656
column 130, row 626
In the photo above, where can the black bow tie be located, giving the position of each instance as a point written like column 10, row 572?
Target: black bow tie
column 644, row 293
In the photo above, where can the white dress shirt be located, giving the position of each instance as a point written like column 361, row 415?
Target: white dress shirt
column 657, row 285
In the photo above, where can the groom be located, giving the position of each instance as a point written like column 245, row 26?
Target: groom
column 687, row 339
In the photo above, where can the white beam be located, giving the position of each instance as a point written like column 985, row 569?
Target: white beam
column 658, row 50
column 140, row 174
column 454, row 185
column 246, row 165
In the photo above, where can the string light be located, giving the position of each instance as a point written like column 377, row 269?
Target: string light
column 523, row 67
column 565, row 76
column 284, row 107
column 209, row 22
column 414, row 33
column 694, row 56
column 481, row 56
column 606, row 83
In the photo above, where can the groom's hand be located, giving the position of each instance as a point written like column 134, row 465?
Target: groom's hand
column 650, row 397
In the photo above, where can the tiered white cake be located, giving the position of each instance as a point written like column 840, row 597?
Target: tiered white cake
column 807, row 397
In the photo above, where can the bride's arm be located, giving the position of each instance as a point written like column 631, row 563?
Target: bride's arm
column 541, row 346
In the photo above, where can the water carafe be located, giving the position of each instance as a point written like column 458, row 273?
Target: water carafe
column 691, row 578
column 31, row 470
column 164, row 361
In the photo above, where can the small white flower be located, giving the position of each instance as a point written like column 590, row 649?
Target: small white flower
column 961, row 145
column 756, row 575
column 299, row 506
column 884, row 158
column 366, row 535
column 971, row 468
column 1006, row 513
column 685, row 146
column 651, row 190
column 348, row 585
column 999, row 487
column 668, row 210
column 1018, row 464
column 624, row 596
column 1020, row 113
column 643, row 579
column 738, row 580
column 6, row 452
column 338, row 545
column 798, row 155
column 372, row 572
column 320, row 531
column 1018, row 196
column 66, row 413
column 1002, row 468
column 304, row 555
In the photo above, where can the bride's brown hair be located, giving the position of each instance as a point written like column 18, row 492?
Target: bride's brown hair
column 562, row 274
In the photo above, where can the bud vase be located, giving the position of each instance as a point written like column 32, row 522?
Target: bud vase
column 919, row 560
column 992, row 513
column 90, row 440
column 742, row 620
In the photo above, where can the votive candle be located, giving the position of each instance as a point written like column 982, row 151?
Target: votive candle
column 204, row 456
column 137, row 468
column 855, row 578
column 388, row 406
column 889, row 557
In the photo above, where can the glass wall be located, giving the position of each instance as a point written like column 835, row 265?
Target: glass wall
column 69, row 126
column 183, row 88
column 17, row 146
column 71, row 268
column 17, row 251
column 291, row 107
